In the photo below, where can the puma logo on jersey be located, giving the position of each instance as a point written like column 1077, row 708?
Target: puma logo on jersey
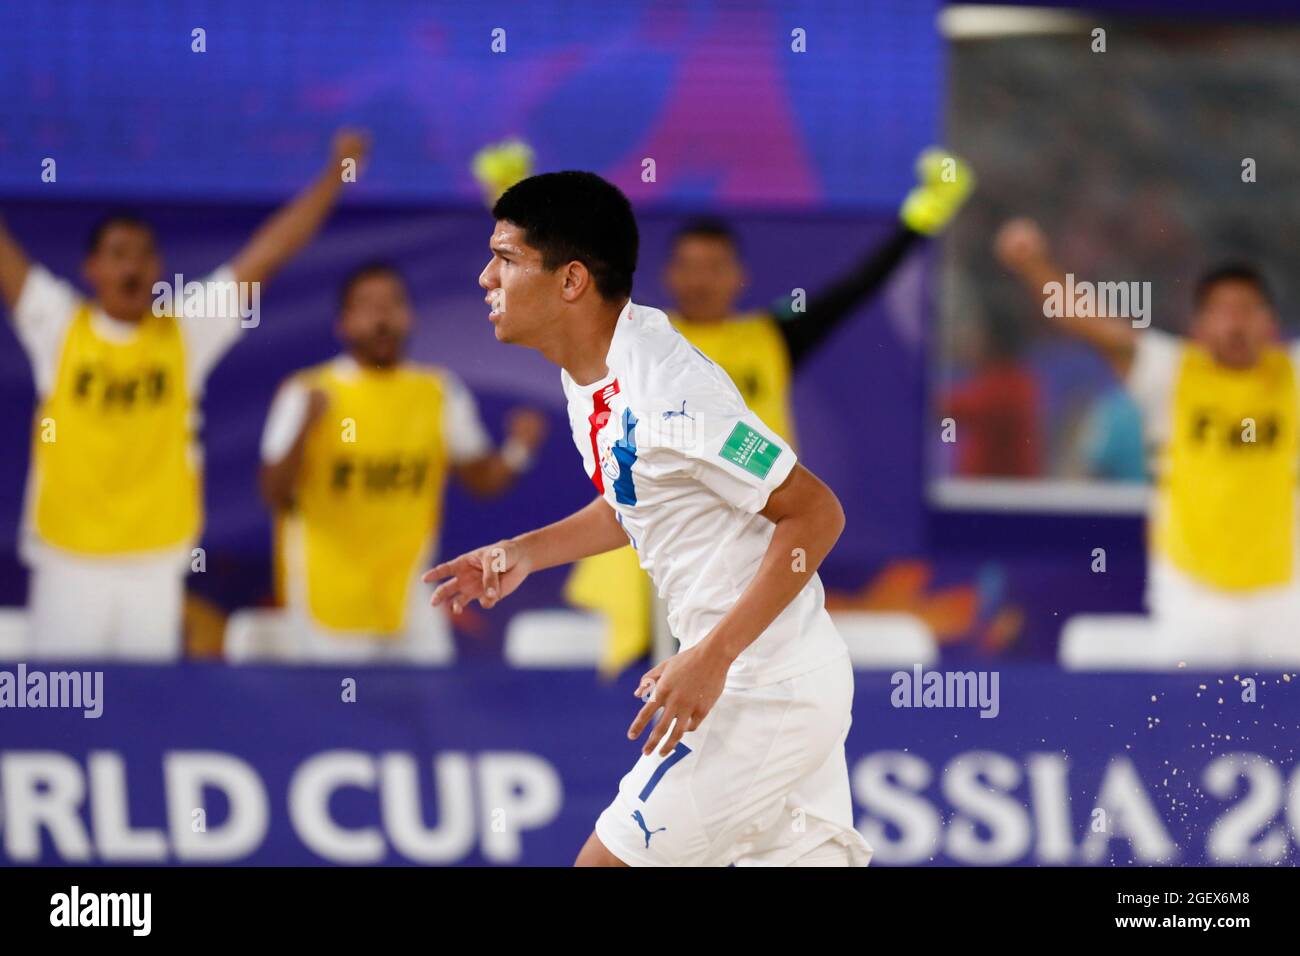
column 640, row 821
column 682, row 414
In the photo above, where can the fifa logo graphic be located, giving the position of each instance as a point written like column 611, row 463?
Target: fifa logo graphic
column 97, row 385
column 640, row 821
column 1230, row 431
column 394, row 474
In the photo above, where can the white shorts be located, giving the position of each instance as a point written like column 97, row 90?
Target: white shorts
column 761, row 782
column 97, row 609
column 1202, row 625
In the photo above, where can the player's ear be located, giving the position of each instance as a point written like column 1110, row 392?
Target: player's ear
column 576, row 279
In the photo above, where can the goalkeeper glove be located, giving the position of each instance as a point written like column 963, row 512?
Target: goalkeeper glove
column 499, row 166
column 943, row 183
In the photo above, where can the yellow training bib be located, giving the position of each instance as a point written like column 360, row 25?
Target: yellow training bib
column 1225, row 504
column 369, row 497
column 112, row 444
column 752, row 352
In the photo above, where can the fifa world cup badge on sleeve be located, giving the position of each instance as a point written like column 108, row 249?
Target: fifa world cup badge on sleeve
column 750, row 450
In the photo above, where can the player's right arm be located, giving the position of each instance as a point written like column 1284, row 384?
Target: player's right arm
column 943, row 184
column 293, row 413
column 491, row 573
column 14, row 266
column 292, row 226
column 1022, row 247
column 40, row 307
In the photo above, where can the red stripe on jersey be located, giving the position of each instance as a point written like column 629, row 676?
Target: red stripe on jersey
column 599, row 416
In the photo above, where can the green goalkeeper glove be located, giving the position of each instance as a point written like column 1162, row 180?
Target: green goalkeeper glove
column 499, row 166
column 943, row 183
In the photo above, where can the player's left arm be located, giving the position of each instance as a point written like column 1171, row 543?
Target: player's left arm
column 495, row 471
column 943, row 185
column 808, row 519
column 282, row 236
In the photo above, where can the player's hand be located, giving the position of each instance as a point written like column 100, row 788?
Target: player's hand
column 486, row 575
column 1020, row 244
column 351, row 144
column 943, row 184
column 527, row 426
column 498, row 166
column 685, row 687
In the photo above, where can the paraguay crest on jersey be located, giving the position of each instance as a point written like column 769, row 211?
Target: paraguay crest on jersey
column 613, row 444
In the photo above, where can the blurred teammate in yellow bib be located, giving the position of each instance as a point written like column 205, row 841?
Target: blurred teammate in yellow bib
column 356, row 456
column 1221, row 418
column 114, row 502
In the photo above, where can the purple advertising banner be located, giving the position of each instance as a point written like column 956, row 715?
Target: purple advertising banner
column 1023, row 765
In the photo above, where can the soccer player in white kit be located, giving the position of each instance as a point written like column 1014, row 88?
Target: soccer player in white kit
column 745, row 764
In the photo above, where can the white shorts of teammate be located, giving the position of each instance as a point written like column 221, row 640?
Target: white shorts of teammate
column 425, row 640
column 761, row 782
column 95, row 609
column 1202, row 625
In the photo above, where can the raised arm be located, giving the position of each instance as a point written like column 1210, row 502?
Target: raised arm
column 281, row 237
column 493, row 572
column 943, row 185
column 1022, row 247
column 13, row 267
column 494, row 472
column 804, row 331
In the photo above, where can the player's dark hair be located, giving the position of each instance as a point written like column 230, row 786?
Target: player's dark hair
column 368, row 270
column 117, row 217
column 576, row 216
column 707, row 227
column 1231, row 272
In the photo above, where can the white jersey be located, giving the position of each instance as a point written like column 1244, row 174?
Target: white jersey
column 669, row 443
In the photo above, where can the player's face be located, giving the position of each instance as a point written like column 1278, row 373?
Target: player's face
column 123, row 269
column 376, row 320
column 1235, row 322
column 525, row 298
column 704, row 277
